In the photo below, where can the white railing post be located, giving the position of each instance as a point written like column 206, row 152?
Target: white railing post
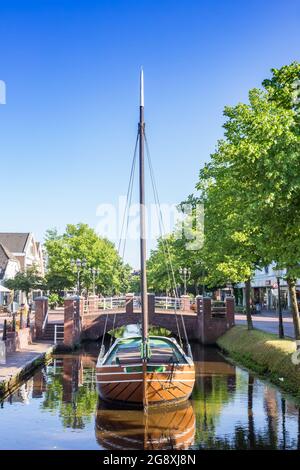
column 55, row 334
column 45, row 321
column 111, row 302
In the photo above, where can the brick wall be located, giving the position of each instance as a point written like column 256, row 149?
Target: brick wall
column 73, row 313
column 41, row 309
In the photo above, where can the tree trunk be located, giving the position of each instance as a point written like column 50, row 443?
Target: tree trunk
column 295, row 310
column 248, row 304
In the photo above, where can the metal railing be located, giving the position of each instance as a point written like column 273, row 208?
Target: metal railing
column 111, row 303
column 58, row 333
column 218, row 309
column 167, row 303
column 45, row 321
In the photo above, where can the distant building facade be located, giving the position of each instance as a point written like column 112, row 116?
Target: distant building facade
column 18, row 252
column 25, row 249
column 265, row 289
column 9, row 267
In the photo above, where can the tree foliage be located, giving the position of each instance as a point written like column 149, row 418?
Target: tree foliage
column 251, row 186
column 251, row 192
column 172, row 253
column 81, row 242
column 26, row 281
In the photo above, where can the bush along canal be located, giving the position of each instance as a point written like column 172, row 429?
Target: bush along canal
column 231, row 408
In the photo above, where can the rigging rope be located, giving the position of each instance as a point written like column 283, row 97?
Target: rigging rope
column 161, row 226
column 102, row 348
column 161, row 223
column 113, row 327
column 128, row 200
column 165, row 245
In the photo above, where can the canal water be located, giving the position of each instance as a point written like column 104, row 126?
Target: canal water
column 58, row 408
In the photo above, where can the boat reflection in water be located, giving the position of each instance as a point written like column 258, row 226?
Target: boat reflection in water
column 157, row 429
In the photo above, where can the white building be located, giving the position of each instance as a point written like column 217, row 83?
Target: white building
column 9, row 267
column 18, row 252
column 25, row 249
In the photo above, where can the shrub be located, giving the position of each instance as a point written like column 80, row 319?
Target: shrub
column 53, row 300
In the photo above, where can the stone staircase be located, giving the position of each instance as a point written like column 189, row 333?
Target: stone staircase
column 49, row 332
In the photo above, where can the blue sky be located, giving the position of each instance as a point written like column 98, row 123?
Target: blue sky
column 71, row 69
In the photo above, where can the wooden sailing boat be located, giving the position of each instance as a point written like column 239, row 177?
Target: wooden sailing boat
column 145, row 370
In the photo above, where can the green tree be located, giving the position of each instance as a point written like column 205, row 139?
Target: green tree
column 228, row 188
column 134, row 283
column 282, row 227
column 26, row 281
column 171, row 253
column 251, row 187
column 81, row 241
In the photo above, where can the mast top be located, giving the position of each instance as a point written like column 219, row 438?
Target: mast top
column 142, row 87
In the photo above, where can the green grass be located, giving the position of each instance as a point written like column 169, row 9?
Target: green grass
column 265, row 354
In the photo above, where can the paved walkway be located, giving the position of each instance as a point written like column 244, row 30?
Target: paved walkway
column 268, row 321
column 15, row 362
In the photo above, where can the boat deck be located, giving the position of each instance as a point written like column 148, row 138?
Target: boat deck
column 162, row 351
column 133, row 356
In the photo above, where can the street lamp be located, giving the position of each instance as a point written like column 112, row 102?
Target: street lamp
column 185, row 274
column 279, row 274
column 95, row 272
column 78, row 264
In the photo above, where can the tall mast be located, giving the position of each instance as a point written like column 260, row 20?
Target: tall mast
column 142, row 218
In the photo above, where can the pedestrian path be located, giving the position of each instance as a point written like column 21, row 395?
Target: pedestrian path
column 19, row 363
column 268, row 321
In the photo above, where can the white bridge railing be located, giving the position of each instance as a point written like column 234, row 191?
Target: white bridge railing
column 58, row 333
column 167, row 303
column 119, row 303
column 111, row 303
column 161, row 304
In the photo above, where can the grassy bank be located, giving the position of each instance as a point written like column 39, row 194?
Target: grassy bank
column 265, row 354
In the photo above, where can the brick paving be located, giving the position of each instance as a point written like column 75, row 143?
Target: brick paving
column 21, row 363
column 16, row 361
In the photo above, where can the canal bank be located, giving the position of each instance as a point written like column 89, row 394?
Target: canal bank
column 20, row 364
column 265, row 354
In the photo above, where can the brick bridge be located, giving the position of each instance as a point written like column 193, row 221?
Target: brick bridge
column 205, row 320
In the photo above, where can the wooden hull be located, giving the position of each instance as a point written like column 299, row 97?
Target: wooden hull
column 166, row 428
column 164, row 384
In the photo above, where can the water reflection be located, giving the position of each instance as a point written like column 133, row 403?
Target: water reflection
column 167, row 428
column 230, row 409
column 71, row 390
column 235, row 410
